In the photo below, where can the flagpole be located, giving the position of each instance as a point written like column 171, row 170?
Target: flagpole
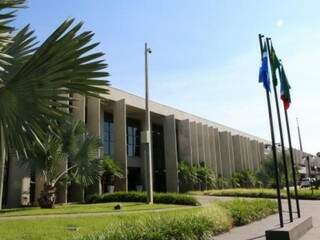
column 274, row 153
column 282, row 142
column 293, row 169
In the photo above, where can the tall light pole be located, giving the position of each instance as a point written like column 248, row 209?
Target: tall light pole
column 147, row 132
column 308, row 171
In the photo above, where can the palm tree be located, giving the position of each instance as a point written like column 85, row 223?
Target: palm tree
column 81, row 148
column 111, row 170
column 37, row 80
column 83, row 164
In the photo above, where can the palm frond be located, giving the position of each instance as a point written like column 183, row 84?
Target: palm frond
column 7, row 15
column 89, row 167
column 20, row 49
column 38, row 87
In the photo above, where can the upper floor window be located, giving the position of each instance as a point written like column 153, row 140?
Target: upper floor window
column 108, row 135
column 133, row 138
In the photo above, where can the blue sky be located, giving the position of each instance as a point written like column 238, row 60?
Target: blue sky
column 205, row 53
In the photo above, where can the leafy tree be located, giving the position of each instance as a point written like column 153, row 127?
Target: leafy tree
column 245, row 179
column 206, row 178
column 266, row 173
column 37, row 80
column 187, row 176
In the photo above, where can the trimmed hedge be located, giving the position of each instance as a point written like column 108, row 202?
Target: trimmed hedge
column 165, row 198
column 261, row 193
column 188, row 224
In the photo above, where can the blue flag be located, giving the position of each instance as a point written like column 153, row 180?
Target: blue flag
column 264, row 70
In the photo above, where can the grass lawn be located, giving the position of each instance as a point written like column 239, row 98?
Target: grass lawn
column 81, row 208
column 61, row 228
column 259, row 193
column 209, row 219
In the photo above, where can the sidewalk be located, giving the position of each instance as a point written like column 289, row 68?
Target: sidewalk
column 256, row 230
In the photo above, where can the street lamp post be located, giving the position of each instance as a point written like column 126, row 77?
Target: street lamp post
column 147, row 132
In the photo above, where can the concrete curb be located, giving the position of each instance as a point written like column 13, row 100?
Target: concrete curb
column 291, row 231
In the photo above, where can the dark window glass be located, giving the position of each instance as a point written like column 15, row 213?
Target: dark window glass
column 133, row 138
column 108, row 135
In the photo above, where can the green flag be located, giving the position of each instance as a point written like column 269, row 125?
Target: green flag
column 275, row 64
column 284, row 89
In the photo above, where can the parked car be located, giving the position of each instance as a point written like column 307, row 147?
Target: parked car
column 306, row 182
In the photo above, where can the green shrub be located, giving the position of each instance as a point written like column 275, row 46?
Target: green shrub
column 223, row 183
column 166, row 198
column 206, row 178
column 192, row 224
column 244, row 179
column 187, row 176
column 196, row 177
column 244, row 212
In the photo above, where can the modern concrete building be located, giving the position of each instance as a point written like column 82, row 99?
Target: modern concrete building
column 176, row 136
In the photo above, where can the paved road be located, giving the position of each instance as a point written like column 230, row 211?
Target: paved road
column 256, row 230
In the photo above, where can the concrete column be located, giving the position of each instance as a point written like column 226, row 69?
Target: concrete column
column 184, row 140
column 243, row 153
column 261, row 153
column 212, row 146
column 94, row 129
column 201, row 143
column 226, row 158
column 62, row 187
column 255, row 155
column 17, row 172
column 194, row 143
column 231, row 154
column 79, row 107
column 238, row 157
column 120, row 142
column 78, row 113
column 207, row 152
column 39, row 183
column 249, row 154
column 218, row 152
column 171, row 154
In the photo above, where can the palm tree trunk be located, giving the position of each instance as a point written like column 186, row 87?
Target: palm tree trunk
column 83, row 192
column 2, row 163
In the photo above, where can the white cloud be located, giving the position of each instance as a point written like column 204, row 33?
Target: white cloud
column 279, row 23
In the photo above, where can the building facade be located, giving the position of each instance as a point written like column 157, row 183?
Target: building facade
column 118, row 120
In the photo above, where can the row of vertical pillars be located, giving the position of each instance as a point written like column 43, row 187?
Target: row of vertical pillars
column 184, row 140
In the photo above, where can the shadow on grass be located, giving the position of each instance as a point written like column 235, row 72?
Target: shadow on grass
column 10, row 210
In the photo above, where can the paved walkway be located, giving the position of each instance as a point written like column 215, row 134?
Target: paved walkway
column 256, row 230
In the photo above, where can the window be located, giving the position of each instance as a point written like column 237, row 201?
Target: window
column 133, row 138
column 108, row 135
